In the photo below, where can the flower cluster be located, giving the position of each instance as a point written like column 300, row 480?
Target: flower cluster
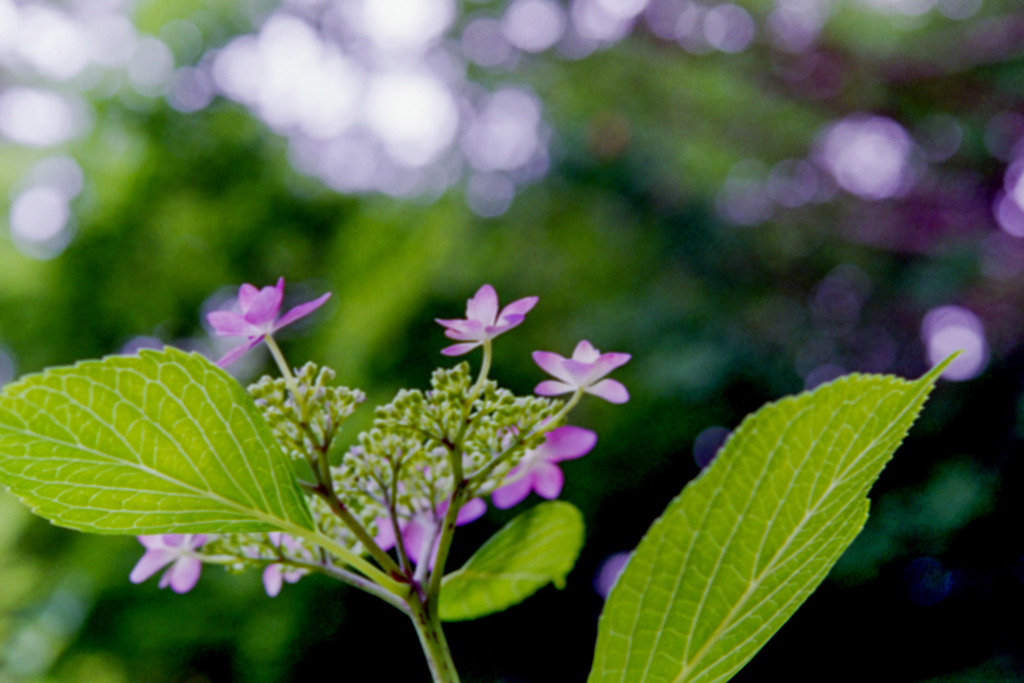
column 426, row 464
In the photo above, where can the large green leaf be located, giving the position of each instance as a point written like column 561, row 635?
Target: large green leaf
column 537, row 547
column 155, row 443
column 748, row 540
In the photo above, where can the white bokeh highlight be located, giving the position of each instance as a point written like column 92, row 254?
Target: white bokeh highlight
column 868, row 156
column 948, row 329
column 534, row 25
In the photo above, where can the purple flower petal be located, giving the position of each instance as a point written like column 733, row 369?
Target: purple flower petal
column 265, row 306
column 150, row 563
column 385, row 537
column 228, row 324
column 237, row 352
column 273, row 579
column 458, row 328
column 492, row 331
column 512, row 494
column 471, row 511
column 548, row 480
column 301, row 311
column 609, row 361
column 567, row 443
column 585, row 352
column 459, row 349
column 414, row 536
column 580, row 374
column 551, row 363
column 246, row 294
column 158, row 541
column 610, row 390
column 466, row 330
column 483, row 307
column 183, row 574
column 517, row 308
column 550, row 387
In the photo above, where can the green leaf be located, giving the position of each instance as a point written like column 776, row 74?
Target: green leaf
column 748, row 540
column 160, row 442
column 539, row 546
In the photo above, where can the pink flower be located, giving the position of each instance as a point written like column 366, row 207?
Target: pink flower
column 276, row 574
column 167, row 549
column 583, row 371
column 423, row 526
column 538, row 471
column 482, row 321
column 258, row 318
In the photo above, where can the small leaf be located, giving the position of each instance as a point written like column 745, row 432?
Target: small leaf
column 749, row 539
column 539, row 546
column 161, row 442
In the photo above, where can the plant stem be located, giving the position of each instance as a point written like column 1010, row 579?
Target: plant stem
column 282, row 365
column 427, row 623
column 326, row 492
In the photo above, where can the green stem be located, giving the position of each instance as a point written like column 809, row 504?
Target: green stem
column 282, row 365
column 326, row 492
column 427, row 623
column 351, row 578
column 554, row 419
column 485, row 368
column 349, row 557
column 289, row 378
column 444, row 544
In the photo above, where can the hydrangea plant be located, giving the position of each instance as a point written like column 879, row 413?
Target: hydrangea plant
column 167, row 446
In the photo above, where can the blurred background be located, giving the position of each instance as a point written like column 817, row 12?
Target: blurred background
column 751, row 197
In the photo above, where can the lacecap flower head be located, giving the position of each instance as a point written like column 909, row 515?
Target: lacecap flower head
column 483, row 321
column 585, row 370
column 258, row 317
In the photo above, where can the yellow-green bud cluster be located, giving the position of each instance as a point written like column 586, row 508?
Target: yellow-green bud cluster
column 310, row 423
column 406, row 457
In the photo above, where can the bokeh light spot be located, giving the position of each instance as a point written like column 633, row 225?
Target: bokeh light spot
column 36, row 118
column 608, row 573
column 948, row 329
column 414, row 115
column 593, row 22
column 868, row 157
column 728, row 28
column 707, row 444
column 406, row 25
column 504, row 135
column 151, row 66
column 533, row 25
column 484, row 42
column 52, row 42
column 39, row 219
column 489, row 194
